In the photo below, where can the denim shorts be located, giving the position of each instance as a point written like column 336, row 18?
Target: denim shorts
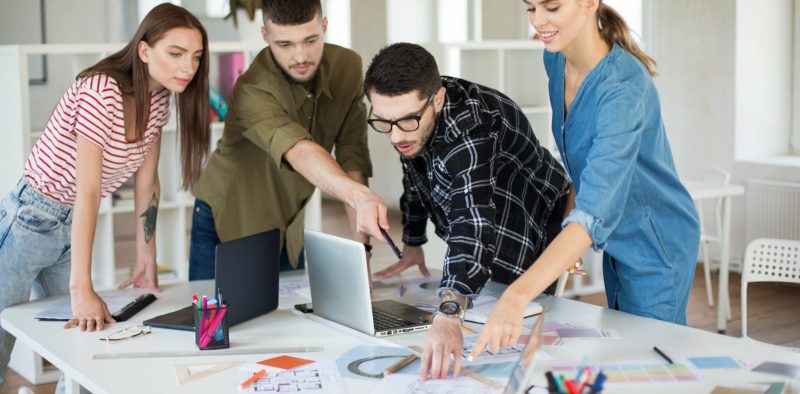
column 34, row 252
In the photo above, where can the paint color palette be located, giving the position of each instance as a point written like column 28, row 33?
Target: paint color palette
column 635, row 373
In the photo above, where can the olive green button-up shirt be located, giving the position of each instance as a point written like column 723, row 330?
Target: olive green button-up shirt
column 247, row 183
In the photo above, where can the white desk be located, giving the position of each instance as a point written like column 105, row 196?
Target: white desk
column 72, row 351
column 706, row 190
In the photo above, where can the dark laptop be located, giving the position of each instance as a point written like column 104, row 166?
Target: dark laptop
column 246, row 272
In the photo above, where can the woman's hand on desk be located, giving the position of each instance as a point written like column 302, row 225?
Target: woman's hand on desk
column 89, row 312
column 412, row 256
column 504, row 325
column 145, row 275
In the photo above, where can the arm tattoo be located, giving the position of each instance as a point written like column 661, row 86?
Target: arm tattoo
column 149, row 219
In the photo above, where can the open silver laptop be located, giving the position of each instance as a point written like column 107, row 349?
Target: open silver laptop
column 519, row 381
column 337, row 273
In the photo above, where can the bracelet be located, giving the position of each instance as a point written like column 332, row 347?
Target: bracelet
column 368, row 248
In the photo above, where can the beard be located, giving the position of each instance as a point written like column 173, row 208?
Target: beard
column 300, row 81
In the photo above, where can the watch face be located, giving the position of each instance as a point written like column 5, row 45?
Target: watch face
column 449, row 308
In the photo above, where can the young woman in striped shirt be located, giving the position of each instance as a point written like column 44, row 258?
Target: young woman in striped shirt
column 105, row 128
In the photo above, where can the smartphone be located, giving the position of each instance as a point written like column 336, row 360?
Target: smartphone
column 305, row 308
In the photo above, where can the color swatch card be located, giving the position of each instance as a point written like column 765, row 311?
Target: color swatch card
column 721, row 362
column 587, row 333
column 645, row 373
column 782, row 369
column 285, row 362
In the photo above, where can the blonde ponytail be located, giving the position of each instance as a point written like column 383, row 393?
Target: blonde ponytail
column 614, row 30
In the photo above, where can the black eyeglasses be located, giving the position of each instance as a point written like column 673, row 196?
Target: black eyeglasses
column 409, row 123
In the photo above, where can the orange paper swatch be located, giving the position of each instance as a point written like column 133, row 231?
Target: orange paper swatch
column 285, row 362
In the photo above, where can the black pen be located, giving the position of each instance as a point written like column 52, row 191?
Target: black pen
column 660, row 353
column 391, row 244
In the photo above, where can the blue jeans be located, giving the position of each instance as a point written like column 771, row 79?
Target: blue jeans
column 34, row 252
column 204, row 242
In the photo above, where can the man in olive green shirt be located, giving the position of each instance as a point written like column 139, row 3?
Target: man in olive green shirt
column 299, row 100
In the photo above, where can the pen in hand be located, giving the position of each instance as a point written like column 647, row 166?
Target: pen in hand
column 391, row 244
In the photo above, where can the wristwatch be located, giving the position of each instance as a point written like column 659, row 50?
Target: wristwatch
column 453, row 305
column 450, row 309
column 368, row 248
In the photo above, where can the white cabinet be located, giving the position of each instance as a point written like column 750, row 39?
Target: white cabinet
column 513, row 67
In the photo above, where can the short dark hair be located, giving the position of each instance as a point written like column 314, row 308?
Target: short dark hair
column 401, row 68
column 290, row 12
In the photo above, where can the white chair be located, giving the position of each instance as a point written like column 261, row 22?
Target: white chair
column 724, row 178
column 769, row 260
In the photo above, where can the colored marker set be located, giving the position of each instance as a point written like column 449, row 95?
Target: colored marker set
column 580, row 384
column 210, row 324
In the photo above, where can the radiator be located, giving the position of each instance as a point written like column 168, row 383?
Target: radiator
column 773, row 210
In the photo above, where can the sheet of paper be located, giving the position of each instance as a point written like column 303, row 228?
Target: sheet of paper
column 646, row 374
column 115, row 299
column 362, row 361
column 290, row 287
column 319, row 377
column 303, row 292
column 402, row 384
column 722, row 362
column 509, row 354
column 483, row 305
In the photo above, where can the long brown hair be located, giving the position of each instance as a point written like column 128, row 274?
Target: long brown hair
column 193, row 117
column 614, row 30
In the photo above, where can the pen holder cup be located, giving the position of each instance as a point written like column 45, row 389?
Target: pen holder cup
column 211, row 328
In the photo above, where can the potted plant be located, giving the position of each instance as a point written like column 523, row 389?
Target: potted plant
column 247, row 7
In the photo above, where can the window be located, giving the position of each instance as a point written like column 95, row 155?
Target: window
column 146, row 5
column 766, row 129
column 631, row 11
column 217, row 8
column 794, row 143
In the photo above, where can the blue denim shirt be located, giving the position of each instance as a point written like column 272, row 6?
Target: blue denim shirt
column 613, row 144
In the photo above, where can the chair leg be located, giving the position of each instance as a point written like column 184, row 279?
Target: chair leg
column 728, row 304
column 744, row 309
column 707, row 274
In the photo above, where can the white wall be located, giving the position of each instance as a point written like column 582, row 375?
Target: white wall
column 763, row 78
column 20, row 20
column 695, row 46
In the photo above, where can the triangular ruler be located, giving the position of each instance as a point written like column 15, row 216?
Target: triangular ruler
column 187, row 373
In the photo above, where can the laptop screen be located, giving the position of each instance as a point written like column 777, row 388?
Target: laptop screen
column 523, row 370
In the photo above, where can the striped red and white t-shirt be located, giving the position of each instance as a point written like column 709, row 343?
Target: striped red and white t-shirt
column 92, row 108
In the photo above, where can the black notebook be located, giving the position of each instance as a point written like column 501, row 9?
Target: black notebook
column 123, row 304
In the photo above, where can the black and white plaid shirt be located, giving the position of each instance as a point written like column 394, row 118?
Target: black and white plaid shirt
column 486, row 184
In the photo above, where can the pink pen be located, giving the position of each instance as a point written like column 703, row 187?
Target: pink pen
column 212, row 328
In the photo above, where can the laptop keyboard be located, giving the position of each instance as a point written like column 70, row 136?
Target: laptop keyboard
column 384, row 321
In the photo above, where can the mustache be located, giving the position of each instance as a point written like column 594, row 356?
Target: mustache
column 309, row 64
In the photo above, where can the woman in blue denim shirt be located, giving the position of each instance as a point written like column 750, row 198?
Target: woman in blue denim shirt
column 630, row 203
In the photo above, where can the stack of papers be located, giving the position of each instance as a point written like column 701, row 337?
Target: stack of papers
column 483, row 305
